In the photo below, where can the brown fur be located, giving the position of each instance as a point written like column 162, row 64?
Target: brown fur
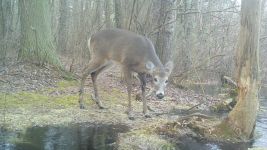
column 128, row 49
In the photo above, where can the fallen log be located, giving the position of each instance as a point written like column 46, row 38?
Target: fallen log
column 228, row 80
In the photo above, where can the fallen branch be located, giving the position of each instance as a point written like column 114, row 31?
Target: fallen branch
column 229, row 81
column 195, row 115
column 3, row 81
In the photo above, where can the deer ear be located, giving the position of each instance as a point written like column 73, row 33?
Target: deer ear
column 168, row 67
column 150, row 66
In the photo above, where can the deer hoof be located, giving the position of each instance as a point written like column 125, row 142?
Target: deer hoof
column 131, row 117
column 150, row 109
column 82, row 106
column 93, row 97
column 147, row 116
column 101, row 107
column 130, row 114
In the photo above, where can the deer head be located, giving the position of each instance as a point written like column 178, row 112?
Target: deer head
column 160, row 77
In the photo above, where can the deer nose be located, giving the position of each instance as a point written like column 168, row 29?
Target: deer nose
column 160, row 95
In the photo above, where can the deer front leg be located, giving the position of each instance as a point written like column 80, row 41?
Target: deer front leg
column 128, row 79
column 81, row 92
column 142, row 78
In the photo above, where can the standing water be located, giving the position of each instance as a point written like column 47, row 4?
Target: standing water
column 261, row 126
column 72, row 137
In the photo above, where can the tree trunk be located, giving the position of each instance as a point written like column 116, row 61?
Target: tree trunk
column 36, row 35
column 164, row 19
column 108, row 13
column 2, row 22
column 243, row 117
column 118, row 13
column 63, row 26
column 131, row 15
column 98, row 14
column 2, row 35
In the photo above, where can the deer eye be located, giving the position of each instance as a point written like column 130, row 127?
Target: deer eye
column 155, row 79
column 166, row 81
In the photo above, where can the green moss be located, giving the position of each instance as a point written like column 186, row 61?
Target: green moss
column 233, row 92
column 220, row 107
column 145, row 139
column 21, row 99
column 69, row 100
column 35, row 99
column 67, row 83
column 45, row 99
column 115, row 95
column 224, row 132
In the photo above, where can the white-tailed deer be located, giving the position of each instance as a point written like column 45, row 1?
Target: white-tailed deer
column 134, row 53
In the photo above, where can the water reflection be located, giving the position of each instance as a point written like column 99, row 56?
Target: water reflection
column 189, row 143
column 74, row 137
column 261, row 126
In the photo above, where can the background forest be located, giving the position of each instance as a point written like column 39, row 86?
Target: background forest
column 199, row 35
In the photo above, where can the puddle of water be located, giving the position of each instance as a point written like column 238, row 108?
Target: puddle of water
column 261, row 125
column 189, row 143
column 73, row 137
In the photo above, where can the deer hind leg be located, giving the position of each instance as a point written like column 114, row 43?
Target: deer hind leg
column 94, row 75
column 92, row 67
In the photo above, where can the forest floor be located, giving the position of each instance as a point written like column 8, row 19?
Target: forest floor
column 39, row 96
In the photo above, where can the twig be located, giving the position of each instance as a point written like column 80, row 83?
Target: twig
column 195, row 106
column 195, row 115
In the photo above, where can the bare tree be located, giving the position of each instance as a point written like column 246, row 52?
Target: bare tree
column 242, row 118
column 63, row 26
column 2, row 34
column 2, row 23
column 36, row 35
column 118, row 14
column 108, row 13
column 163, row 18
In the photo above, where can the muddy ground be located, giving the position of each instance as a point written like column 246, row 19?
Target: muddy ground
column 40, row 96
